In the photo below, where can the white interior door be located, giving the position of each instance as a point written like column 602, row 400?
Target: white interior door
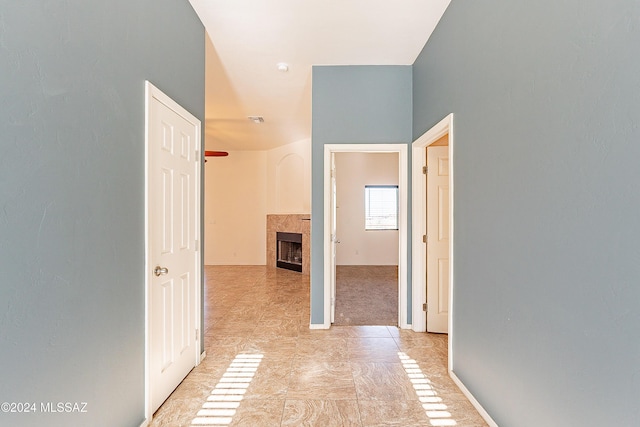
column 437, row 239
column 173, row 255
column 334, row 238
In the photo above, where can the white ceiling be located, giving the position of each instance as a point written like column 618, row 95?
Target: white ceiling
column 250, row 37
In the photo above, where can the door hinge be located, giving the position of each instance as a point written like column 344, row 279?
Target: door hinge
column 197, row 334
column 424, row 238
column 424, row 307
column 197, row 245
column 197, row 155
column 425, row 170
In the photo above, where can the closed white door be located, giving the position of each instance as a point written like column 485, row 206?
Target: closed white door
column 437, row 239
column 173, row 216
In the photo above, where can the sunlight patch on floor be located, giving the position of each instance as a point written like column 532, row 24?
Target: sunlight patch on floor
column 433, row 405
column 225, row 398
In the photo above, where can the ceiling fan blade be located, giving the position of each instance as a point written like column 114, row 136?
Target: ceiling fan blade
column 215, row 154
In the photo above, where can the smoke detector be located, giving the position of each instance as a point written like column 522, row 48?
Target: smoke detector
column 256, row 119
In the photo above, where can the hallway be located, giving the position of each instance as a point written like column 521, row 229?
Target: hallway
column 265, row 367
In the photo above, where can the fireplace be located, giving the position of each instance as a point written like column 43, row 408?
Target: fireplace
column 288, row 223
column 289, row 251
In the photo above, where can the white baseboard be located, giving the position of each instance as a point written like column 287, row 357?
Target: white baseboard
column 145, row 423
column 484, row 414
column 318, row 326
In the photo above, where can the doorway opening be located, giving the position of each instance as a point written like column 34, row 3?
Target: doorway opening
column 331, row 238
column 367, row 233
column 172, row 254
column 440, row 134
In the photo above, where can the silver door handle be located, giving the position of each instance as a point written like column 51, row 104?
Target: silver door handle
column 158, row 271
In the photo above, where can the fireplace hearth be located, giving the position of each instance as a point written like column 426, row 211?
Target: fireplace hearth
column 289, row 251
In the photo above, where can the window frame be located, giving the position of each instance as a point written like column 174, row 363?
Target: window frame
column 367, row 226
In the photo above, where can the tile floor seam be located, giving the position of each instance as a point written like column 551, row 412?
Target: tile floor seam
column 357, row 400
column 286, row 394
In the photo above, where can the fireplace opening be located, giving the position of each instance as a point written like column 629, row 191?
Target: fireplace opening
column 289, row 251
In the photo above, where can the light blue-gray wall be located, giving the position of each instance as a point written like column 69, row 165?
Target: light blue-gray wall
column 546, row 97
column 351, row 105
column 72, row 196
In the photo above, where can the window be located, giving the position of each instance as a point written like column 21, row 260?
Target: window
column 381, row 207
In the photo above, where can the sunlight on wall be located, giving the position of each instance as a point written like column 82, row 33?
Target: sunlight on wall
column 225, row 398
column 435, row 408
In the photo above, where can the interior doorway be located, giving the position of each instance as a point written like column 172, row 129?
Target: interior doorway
column 331, row 239
column 444, row 129
column 367, row 239
column 172, row 253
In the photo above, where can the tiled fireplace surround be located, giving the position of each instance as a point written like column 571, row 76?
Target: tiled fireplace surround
column 293, row 223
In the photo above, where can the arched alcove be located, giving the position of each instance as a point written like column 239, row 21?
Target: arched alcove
column 290, row 184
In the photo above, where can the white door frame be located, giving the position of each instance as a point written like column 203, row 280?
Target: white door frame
column 402, row 151
column 419, row 213
column 152, row 92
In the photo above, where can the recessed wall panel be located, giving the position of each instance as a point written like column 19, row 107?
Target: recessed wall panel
column 443, row 166
column 167, row 325
column 185, row 146
column 443, row 212
column 443, row 285
column 167, row 137
column 167, row 210
column 185, row 314
column 185, row 211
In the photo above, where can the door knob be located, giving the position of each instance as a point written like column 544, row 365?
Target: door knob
column 158, row 271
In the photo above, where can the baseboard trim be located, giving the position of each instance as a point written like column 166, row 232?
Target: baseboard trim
column 318, row 326
column 145, row 423
column 484, row 414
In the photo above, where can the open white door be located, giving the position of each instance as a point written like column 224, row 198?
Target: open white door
column 334, row 238
column 437, row 239
column 173, row 218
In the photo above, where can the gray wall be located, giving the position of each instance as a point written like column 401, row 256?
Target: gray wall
column 351, row 105
column 546, row 97
column 72, row 195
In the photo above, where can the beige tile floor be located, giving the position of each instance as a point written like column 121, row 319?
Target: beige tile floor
column 265, row 367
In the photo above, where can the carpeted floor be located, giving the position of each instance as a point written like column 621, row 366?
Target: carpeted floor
column 366, row 295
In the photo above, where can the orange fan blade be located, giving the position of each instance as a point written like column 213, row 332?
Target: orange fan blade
column 215, row 154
